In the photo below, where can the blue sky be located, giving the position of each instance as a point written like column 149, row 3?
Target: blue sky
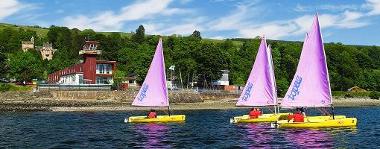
column 347, row 21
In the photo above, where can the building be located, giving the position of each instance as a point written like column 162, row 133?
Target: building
column 223, row 81
column 91, row 71
column 47, row 51
column 27, row 45
column 224, row 84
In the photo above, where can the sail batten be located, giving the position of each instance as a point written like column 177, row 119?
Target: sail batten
column 260, row 87
column 310, row 86
column 153, row 92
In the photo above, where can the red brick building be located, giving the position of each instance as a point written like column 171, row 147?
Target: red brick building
column 91, row 71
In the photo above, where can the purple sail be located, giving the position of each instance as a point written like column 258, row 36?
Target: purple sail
column 153, row 91
column 310, row 86
column 260, row 89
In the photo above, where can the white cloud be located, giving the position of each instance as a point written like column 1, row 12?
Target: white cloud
column 244, row 20
column 374, row 6
column 11, row 7
column 328, row 7
column 182, row 27
column 217, row 37
column 300, row 25
column 111, row 21
column 230, row 22
column 239, row 20
column 272, row 31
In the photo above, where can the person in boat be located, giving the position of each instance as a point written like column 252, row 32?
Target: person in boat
column 254, row 113
column 152, row 114
column 297, row 116
column 302, row 110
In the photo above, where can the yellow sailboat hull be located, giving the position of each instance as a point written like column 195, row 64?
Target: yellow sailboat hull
column 319, row 122
column 262, row 118
column 159, row 119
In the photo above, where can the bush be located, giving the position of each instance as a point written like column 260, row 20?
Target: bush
column 12, row 87
column 374, row 95
column 4, row 87
column 339, row 93
column 352, row 94
column 348, row 95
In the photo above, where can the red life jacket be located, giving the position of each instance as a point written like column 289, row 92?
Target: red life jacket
column 290, row 117
column 152, row 115
column 254, row 114
column 259, row 113
column 298, row 117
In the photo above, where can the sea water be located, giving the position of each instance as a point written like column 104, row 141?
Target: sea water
column 202, row 129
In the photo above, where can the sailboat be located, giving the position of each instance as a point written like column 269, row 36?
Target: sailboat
column 260, row 89
column 154, row 92
column 311, row 86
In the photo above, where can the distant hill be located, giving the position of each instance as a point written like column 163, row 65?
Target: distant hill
column 41, row 31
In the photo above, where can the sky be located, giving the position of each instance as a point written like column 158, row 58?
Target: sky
column 355, row 22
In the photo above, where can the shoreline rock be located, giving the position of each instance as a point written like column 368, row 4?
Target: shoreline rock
column 47, row 101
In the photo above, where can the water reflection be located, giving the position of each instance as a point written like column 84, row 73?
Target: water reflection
column 154, row 134
column 342, row 136
column 258, row 134
column 309, row 138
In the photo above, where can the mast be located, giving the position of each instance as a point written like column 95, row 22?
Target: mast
column 270, row 59
column 163, row 63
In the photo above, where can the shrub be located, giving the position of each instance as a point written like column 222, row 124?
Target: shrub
column 4, row 87
column 374, row 95
column 338, row 93
column 348, row 95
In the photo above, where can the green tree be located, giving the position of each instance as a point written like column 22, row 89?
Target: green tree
column 25, row 66
column 118, row 78
column 196, row 34
column 210, row 62
column 139, row 36
column 3, row 68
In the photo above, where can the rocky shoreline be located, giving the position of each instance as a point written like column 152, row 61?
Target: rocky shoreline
column 28, row 102
column 83, row 106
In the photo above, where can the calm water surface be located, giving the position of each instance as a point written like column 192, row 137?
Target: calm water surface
column 202, row 129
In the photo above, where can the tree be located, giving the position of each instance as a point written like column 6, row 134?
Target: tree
column 118, row 78
column 3, row 68
column 110, row 45
column 196, row 34
column 25, row 66
column 210, row 62
column 88, row 34
column 139, row 36
column 10, row 40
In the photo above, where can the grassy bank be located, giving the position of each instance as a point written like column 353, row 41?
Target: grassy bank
column 368, row 94
column 13, row 87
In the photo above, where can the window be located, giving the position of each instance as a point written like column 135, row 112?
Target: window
column 102, row 80
column 81, row 79
column 108, row 69
column 104, row 69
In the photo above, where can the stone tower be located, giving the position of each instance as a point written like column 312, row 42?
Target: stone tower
column 26, row 45
column 47, row 51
